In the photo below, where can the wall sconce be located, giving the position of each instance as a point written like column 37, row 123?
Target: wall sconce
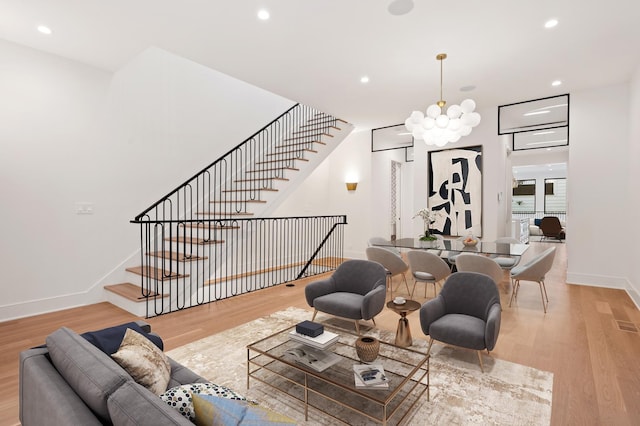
column 352, row 181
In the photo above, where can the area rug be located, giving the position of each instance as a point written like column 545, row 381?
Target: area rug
column 506, row 394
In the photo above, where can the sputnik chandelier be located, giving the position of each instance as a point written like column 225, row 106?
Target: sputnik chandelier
column 439, row 127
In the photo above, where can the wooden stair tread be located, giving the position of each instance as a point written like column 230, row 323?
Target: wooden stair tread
column 224, row 213
column 191, row 240
column 155, row 273
column 281, row 160
column 259, row 179
column 236, row 201
column 207, row 226
column 177, row 256
column 305, row 137
column 313, row 151
column 131, row 291
column 321, row 262
column 250, row 189
column 288, row 145
column 272, row 169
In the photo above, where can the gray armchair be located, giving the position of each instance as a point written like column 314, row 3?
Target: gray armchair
column 465, row 313
column 356, row 291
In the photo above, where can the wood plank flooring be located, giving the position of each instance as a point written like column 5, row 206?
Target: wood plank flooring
column 595, row 363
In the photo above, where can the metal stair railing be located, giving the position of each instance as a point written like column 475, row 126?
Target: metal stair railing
column 202, row 232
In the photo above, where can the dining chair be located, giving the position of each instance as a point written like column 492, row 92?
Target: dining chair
column 506, row 262
column 428, row 268
column 534, row 270
column 379, row 241
column 467, row 262
column 393, row 263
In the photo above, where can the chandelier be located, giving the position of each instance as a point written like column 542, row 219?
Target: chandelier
column 438, row 127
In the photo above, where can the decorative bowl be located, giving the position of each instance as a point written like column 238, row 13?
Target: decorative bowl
column 470, row 243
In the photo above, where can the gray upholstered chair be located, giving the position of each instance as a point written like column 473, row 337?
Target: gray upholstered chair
column 506, row 262
column 534, row 270
column 465, row 313
column 356, row 291
column 467, row 262
column 428, row 268
column 393, row 263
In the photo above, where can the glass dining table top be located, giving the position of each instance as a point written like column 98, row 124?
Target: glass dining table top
column 457, row 246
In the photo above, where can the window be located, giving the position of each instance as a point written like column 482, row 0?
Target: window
column 524, row 197
column 555, row 196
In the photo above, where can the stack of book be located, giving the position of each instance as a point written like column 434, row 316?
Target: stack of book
column 370, row 376
column 323, row 341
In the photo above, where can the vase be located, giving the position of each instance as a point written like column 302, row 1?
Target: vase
column 367, row 348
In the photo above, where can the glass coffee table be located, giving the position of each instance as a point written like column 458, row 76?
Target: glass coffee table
column 333, row 391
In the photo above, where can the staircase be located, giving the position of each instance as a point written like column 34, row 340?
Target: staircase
column 211, row 238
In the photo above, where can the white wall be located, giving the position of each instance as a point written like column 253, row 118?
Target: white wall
column 632, row 232
column 71, row 133
column 598, row 203
column 324, row 191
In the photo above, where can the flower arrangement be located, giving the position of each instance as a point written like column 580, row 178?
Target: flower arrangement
column 428, row 218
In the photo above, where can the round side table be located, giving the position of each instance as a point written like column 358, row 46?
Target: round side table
column 403, row 334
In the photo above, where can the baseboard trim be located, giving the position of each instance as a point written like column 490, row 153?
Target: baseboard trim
column 618, row 283
column 42, row 306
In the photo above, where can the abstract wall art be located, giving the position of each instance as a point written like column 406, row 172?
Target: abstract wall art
column 455, row 190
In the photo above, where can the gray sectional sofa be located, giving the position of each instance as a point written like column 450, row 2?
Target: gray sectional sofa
column 72, row 382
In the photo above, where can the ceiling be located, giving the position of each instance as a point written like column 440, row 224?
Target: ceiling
column 315, row 52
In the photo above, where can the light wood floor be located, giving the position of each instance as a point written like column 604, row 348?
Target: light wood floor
column 596, row 365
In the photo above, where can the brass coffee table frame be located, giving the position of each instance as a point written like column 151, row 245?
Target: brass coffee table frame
column 407, row 370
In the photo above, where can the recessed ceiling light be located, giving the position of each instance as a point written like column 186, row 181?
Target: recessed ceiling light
column 263, row 14
column 44, row 29
column 556, row 83
column 400, row 7
column 364, row 79
column 468, row 88
column 551, row 23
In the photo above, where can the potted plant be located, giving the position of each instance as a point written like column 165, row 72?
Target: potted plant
column 428, row 217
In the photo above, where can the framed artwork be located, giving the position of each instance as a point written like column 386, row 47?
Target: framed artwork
column 455, row 190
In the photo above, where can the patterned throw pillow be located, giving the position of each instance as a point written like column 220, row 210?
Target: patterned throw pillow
column 144, row 361
column 180, row 397
column 212, row 410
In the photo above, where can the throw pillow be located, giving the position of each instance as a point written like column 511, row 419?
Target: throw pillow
column 108, row 340
column 144, row 361
column 212, row 410
column 537, row 222
column 181, row 397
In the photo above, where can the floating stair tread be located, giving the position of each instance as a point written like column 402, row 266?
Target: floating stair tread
column 224, row 213
column 288, row 145
column 250, row 189
column 131, row 292
column 208, row 226
column 322, row 262
column 261, row 179
column 305, row 137
column 177, row 256
column 280, row 160
column 155, row 273
column 191, row 240
column 297, row 151
column 236, row 201
column 272, row 169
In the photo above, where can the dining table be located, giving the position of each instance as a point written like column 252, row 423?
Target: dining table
column 456, row 245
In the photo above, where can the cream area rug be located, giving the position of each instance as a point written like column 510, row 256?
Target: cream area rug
column 506, row 394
